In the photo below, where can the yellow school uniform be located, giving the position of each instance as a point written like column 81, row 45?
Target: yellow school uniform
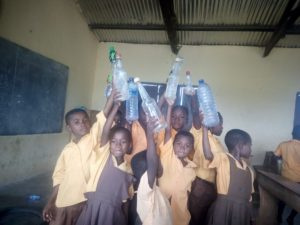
column 176, row 182
column 152, row 206
column 290, row 153
column 203, row 171
column 71, row 172
column 222, row 165
column 139, row 140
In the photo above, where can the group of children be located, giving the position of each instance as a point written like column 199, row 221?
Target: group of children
column 118, row 173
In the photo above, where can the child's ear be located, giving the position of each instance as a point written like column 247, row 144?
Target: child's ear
column 239, row 146
column 69, row 128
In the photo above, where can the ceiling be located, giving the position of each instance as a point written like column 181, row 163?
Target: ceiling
column 264, row 23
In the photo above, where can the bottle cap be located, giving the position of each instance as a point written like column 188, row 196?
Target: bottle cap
column 178, row 59
column 201, row 81
column 112, row 54
column 137, row 80
column 187, row 73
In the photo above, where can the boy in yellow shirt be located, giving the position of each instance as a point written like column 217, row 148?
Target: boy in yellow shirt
column 71, row 172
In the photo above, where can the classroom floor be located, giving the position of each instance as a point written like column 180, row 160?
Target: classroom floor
column 16, row 208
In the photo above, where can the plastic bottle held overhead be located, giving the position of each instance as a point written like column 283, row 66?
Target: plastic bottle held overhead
column 108, row 88
column 150, row 107
column 188, row 89
column 207, row 105
column 173, row 80
column 120, row 79
column 132, row 108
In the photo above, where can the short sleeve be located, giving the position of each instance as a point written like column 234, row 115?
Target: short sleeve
column 59, row 171
column 217, row 160
column 278, row 151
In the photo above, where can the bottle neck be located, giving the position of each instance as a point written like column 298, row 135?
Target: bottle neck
column 143, row 93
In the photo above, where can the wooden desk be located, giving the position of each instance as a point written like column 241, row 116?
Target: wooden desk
column 273, row 187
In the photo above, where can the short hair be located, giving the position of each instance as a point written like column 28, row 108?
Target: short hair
column 70, row 113
column 182, row 108
column 235, row 137
column 296, row 132
column 139, row 164
column 116, row 129
column 184, row 134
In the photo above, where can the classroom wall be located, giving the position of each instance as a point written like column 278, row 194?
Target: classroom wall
column 253, row 93
column 55, row 29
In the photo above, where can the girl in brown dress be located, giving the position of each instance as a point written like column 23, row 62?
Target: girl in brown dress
column 234, row 179
column 107, row 205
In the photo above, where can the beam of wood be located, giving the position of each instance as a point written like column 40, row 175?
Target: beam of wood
column 287, row 20
column 213, row 28
column 171, row 23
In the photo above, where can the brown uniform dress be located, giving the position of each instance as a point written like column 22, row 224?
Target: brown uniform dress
column 234, row 207
column 104, row 206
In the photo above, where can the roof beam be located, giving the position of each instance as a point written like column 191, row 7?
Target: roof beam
column 287, row 20
column 213, row 28
column 171, row 23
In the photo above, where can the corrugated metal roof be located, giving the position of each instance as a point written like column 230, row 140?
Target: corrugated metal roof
column 141, row 21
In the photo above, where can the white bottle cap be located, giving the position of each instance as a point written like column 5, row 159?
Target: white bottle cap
column 137, row 79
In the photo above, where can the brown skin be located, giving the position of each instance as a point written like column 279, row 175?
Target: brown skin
column 178, row 119
column 49, row 209
column 79, row 125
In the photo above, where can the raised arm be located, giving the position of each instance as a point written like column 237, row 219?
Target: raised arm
column 197, row 120
column 108, row 123
column 169, row 126
column 109, row 103
column 152, row 157
column 205, row 144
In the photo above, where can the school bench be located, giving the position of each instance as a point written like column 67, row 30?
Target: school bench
column 273, row 187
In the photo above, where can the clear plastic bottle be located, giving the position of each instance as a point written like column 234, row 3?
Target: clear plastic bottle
column 132, row 108
column 173, row 80
column 150, row 107
column 188, row 89
column 108, row 87
column 120, row 78
column 207, row 105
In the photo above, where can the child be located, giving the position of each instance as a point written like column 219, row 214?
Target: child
column 152, row 206
column 71, row 171
column 203, row 191
column 234, row 179
column 178, row 171
column 108, row 188
column 289, row 151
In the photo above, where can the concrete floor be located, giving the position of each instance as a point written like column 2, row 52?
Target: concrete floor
column 17, row 209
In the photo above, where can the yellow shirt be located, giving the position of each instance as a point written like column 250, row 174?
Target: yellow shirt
column 97, row 163
column 202, row 170
column 152, row 206
column 176, row 182
column 71, row 172
column 139, row 140
column 222, row 164
column 290, row 153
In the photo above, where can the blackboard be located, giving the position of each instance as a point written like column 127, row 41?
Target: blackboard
column 32, row 91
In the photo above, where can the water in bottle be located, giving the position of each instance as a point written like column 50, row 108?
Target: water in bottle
column 120, row 79
column 150, row 107
column 173, row 80
column 188, row 89
column 207, row 105
column 132, row 108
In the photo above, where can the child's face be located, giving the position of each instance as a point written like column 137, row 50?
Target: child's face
column 119, row 144
column 182, row 146
column 178, row 119
column 79, row 124
column 245, row 151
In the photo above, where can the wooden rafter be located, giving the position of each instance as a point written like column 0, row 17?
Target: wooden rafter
column 286, row 22
column 171, row 23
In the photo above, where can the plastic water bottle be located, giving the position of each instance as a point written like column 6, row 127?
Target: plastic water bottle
column 120, row 79
column 132, row 108
column 207, row 105
column 34, row 198
column 108, row 87
column 188, row 89
column 173, row 80
column 150, row 107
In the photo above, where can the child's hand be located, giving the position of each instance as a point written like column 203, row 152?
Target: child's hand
column 116, row 96
column 49, row 212
column 201, row 117
column 152, row 121
column 170, row 102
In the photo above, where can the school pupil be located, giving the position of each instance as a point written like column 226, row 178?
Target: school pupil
column 108, row 187
column 289, row 151
column 152, row 206
column 203, row 191
column 234, row 179
column 71, row 172
column 178, row 171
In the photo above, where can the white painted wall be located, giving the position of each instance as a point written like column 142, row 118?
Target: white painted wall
column 253, row 93
column 55, row 29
